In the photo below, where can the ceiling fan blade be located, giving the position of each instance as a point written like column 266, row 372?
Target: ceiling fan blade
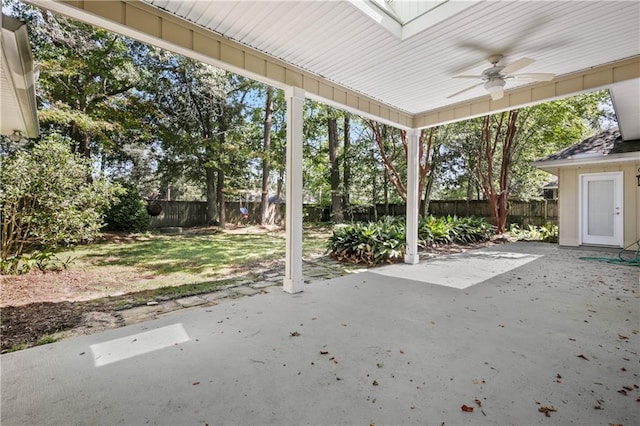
column 464, row 90
column 517, row 65
column 535, row 76
column 475, row 77
column 498, row 94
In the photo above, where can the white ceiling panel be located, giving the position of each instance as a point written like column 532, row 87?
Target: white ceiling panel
column 336, row 40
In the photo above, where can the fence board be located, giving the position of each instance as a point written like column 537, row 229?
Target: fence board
column 194, row 213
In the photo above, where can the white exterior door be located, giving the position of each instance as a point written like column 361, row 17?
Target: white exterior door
column 601, row 208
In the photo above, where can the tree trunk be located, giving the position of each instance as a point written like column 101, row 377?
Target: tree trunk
column 266, row 152
column 497, row 198
column 346, row 165
column 336, row 196
column 212, row 205
column 221, row 202
column 279, row 186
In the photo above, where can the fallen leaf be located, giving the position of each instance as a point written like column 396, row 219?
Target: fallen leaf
column 477, row 401
column 294, row 334
column 375, row 383
column 401, row 351
column 466, row 408
column 338, row 378
column 622, row 391
column 380, row 364
column 546, row 410
column 638, row 399
column 195, row 383
column 621, row 337
column 323, row 352
column 583, row 357
column 629, row 388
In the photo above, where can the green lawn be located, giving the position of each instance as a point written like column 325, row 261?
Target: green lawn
column 154, row 260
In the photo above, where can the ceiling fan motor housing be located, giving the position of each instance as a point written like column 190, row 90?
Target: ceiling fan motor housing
column 494, row 84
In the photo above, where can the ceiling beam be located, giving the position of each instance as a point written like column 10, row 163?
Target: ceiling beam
column 588, row 80
column 149, row 24
column 139, row 20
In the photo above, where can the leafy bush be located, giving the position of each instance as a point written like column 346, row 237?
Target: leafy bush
column 384, row 241
column 48, row 199
column 129, row 213
column 369, row 243
column 452, row 229
column 547, row 233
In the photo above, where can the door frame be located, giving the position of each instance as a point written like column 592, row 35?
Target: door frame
column 618, row 232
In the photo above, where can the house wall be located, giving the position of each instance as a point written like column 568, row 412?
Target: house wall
column 569, row 201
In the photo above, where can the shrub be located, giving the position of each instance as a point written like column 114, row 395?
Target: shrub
column 48, row 199
column 547, row 233
column 384, row 241
column 129, row 213
column 369, row 243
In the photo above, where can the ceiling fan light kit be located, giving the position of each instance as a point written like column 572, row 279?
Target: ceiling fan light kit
column 495, row 77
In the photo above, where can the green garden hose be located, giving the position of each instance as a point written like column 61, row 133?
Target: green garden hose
column 633, row 261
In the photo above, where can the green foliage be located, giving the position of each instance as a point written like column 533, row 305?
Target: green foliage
column 547, row 233
column 451, row 229
column 369, row 243
column 129, row 213
column 48, row 199
column 383, row 241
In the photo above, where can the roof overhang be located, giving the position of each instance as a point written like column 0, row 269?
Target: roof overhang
column 193, row 35
column 552, row 166
column 17, row 81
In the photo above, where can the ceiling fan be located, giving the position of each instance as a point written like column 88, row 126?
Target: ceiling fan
column 495, row 77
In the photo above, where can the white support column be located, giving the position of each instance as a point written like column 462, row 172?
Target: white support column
column 293, row 282
column 411, row 254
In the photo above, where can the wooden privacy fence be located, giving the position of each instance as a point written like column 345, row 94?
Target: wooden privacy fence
column 535, row 212
column 194, row 213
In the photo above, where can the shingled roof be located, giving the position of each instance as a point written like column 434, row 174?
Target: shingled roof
column 603, row 144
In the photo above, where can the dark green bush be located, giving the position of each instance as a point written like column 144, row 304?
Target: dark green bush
column 369, row 243
column 128, row 214
column 384, row 241
column 47, row 201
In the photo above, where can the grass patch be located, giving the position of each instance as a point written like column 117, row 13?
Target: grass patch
column 167, row 293
column 180, row 265
column 46, row 339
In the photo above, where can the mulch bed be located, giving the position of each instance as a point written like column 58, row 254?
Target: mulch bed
column 25, row 325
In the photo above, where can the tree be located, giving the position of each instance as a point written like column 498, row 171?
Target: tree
column 266, row 154
column 47, row 200
column 334, row 167
column 496, row 132
column 200, row 128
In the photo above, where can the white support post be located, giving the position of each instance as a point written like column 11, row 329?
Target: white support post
column 411, row 254
column 293, row 281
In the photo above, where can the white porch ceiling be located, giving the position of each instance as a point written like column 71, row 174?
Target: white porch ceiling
column 340, row 55
column 336, row 40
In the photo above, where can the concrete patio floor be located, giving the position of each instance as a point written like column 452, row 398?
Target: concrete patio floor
column 554, row 331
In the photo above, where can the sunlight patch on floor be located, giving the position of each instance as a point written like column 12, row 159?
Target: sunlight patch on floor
column 138, row 344
column 459, row 270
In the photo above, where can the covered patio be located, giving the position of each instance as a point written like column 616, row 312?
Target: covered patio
column 409, row 64
column 553, row 333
